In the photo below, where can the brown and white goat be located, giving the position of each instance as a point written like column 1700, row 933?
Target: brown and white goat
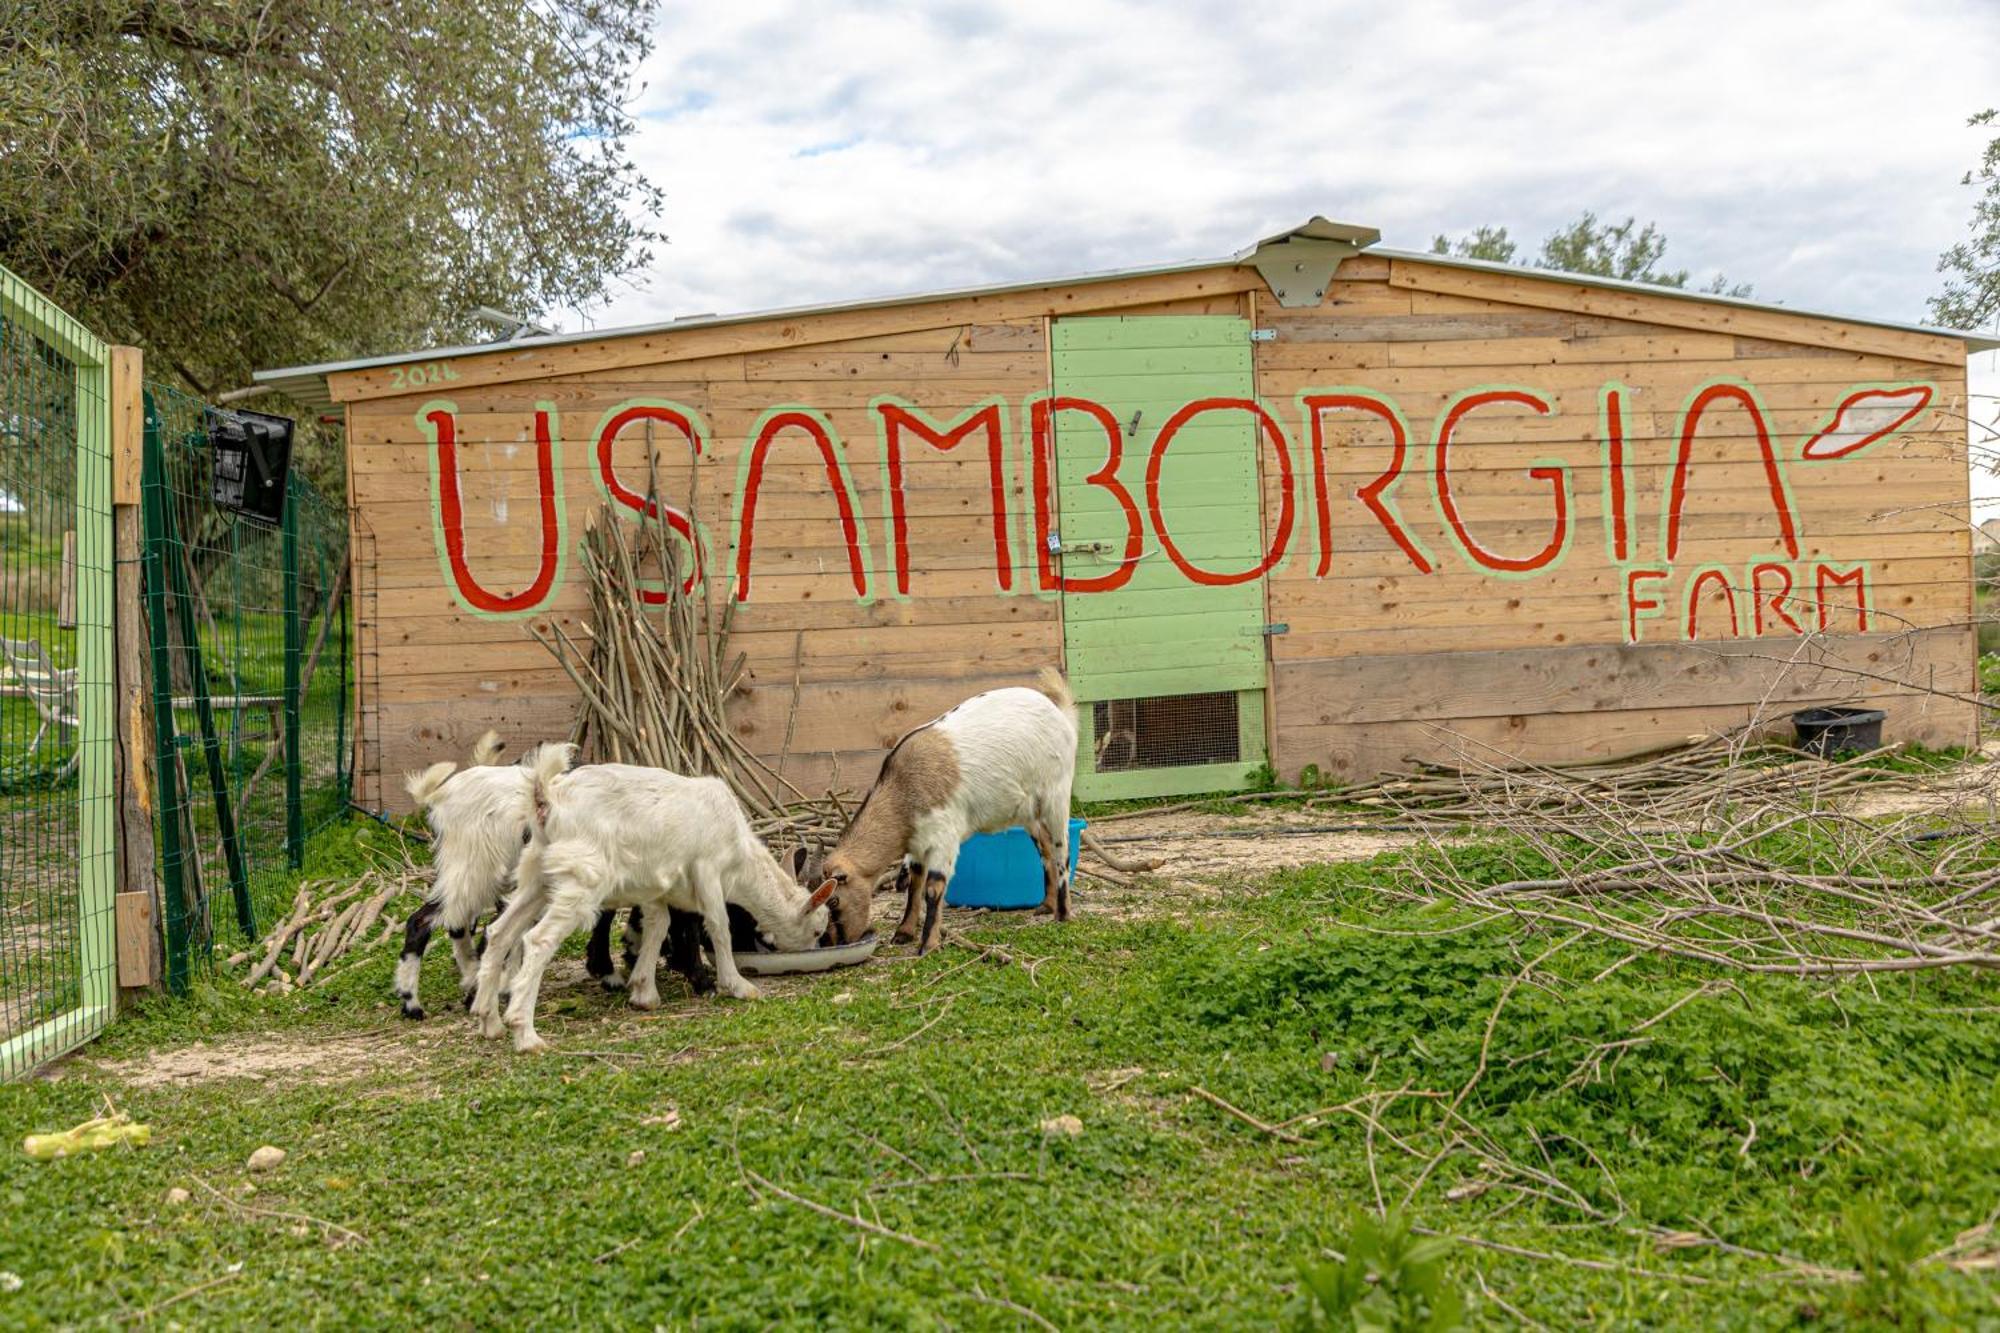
column 1000, row 758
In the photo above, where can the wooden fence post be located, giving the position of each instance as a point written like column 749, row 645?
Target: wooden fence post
column 140, row 949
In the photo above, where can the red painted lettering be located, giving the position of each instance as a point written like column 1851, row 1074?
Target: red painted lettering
column 1634, row 604
column 1448, row 506
column 1721, row 580
column 829, row 451
column 1825, row 576
column 895, row 420
column 1281, row 535
column 1773, row 475
column 451, row 516
column 1315, row 406
column 1614, row 468
column 1042, row 436
column 1772, row 601
column 639, row 504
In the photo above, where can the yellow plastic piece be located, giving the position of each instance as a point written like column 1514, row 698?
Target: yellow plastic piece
column 90, row 1136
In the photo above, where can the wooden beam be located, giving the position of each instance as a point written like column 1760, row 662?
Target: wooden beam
column 760, row 335
column 134, row 924
column 133, row 726
column 1677, row 312
column 128, row 424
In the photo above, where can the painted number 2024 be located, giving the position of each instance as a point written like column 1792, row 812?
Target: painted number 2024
column 430, row 372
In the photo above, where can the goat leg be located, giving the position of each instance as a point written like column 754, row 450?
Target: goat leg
column 934, row 882
column 597, row 958
column 410, row 967
column 911, row 878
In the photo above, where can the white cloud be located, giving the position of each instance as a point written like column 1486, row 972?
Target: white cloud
column 815, row 152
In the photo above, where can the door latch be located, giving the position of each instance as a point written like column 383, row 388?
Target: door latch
column 1263, row 335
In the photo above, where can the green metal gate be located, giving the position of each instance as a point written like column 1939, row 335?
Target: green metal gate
column 1171, row 670
column 58, row 878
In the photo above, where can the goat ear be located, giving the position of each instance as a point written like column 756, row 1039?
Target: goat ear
column 798, row 862
column 821, row 894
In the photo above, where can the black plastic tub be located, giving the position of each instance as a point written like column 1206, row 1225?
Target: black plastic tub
column 1831, row 731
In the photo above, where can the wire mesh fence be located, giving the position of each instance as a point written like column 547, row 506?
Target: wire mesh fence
column 249, row 640
column 55, row 664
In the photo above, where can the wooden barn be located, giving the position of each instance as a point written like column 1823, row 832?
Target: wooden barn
column 1319, row 504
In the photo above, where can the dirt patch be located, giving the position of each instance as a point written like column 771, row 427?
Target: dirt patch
column 260, row 1059
column 1251, row 844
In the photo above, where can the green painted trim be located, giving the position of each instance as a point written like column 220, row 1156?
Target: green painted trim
column 1025, row 578
column 437, row 511
column 1252, row 736
column 1190, row 780
column 1413, row 449
column 1778, row 452
column 1866, row 386
column 25, row 1051
column 870, row 583
column 1561, row 466
column 96, row 703
column 49, row 322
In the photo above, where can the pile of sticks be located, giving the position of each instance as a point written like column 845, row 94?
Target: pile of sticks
column 328, row 920
column 1750, row 869
column 655, row 675
column 1690, row 782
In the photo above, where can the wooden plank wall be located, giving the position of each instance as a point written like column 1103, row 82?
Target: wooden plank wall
column 434, row 675
column 1382, row 662
column 1385, row 663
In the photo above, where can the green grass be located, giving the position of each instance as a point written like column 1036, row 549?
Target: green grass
column 498, row 1190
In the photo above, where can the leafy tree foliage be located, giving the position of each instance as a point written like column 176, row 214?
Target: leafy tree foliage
column 234, row 185
column 1607, row 249
column 1971, row 297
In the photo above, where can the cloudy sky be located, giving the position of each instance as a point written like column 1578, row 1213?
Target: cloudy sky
column 825, row 151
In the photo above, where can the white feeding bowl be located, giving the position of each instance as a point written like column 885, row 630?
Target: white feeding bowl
column 808, row 960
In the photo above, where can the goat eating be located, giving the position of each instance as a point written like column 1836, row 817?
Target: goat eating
column 1001, row 758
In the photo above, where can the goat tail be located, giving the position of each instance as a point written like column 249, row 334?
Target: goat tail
column 423, row 787
column 486, row 750
column 1055, row 685
column 547, row 761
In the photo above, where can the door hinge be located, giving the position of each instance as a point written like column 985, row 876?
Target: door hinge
column 1263, row 335
column 1278, row 627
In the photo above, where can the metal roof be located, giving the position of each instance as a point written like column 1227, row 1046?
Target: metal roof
column 307, row 384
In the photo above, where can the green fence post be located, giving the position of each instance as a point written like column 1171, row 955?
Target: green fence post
column 165, row 739
column 295, row 823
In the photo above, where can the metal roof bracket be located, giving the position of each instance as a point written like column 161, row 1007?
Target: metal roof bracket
column 1298, row 265
column 1299, row 271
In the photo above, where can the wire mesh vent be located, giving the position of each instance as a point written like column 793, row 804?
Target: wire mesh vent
column 1172, row 731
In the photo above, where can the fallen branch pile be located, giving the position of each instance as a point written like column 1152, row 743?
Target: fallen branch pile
column 329, row 920
column 1749, row 869
column 1689, row 783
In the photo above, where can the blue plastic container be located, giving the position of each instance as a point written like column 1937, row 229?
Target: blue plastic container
column 1003, row 869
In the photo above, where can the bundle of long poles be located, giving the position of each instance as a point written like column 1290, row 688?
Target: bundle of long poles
column 654, row 674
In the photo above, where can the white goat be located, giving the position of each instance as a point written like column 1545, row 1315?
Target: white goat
column 613, row 835
column 480, row 819
column 1000, row 758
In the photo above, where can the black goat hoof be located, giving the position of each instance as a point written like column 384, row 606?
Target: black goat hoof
column 413, row 1011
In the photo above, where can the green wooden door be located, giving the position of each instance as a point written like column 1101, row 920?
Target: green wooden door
column 1170, row 671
